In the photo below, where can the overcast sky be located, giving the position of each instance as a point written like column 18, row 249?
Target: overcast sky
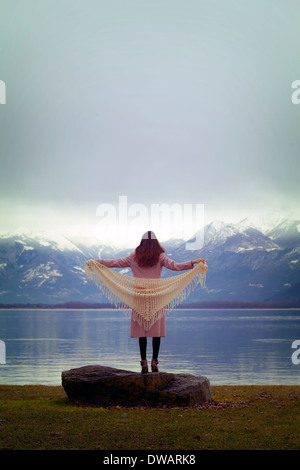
column 161, row 101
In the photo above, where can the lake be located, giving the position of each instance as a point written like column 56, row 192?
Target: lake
column 230, row 347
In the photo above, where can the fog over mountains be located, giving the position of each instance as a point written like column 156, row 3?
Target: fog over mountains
column 251, row 261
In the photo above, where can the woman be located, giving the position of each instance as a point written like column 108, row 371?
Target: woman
column 147, row 261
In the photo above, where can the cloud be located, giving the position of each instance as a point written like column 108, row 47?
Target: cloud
column 162, row 102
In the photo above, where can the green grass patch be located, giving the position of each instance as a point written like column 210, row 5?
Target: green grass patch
column 240, row 417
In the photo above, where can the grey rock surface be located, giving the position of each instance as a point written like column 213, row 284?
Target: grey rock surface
column 107, row 386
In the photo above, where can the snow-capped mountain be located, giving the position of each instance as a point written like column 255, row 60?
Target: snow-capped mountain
column 252, row 260
column 265, row 223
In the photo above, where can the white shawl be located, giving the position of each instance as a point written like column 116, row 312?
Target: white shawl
column 148, row 298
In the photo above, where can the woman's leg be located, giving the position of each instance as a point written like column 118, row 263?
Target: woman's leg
column 155, row 346
column 143, row 350
column 143, row 347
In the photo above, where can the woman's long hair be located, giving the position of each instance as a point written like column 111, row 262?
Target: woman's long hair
column 148, row 251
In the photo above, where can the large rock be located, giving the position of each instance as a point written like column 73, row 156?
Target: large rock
column 106, row 386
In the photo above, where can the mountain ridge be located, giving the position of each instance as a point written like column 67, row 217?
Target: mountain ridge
column 247, row 263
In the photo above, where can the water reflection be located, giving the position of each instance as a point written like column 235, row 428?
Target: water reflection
column 227, row 346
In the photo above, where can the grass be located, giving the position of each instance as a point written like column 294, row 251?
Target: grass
column 240, row 417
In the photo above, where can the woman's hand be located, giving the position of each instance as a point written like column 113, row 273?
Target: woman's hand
column 199, row 260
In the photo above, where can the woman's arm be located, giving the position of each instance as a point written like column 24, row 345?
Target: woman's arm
column 174, row 266
column 171, row 264
column 116, row 263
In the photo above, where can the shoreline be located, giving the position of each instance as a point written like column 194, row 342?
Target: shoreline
column 38, row 385
column 217, row 305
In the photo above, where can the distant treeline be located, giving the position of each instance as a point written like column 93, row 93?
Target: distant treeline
column 222, row 304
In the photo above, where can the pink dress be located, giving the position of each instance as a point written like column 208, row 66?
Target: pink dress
column 159, row 327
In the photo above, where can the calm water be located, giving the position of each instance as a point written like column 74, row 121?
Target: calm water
column 227, row 346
